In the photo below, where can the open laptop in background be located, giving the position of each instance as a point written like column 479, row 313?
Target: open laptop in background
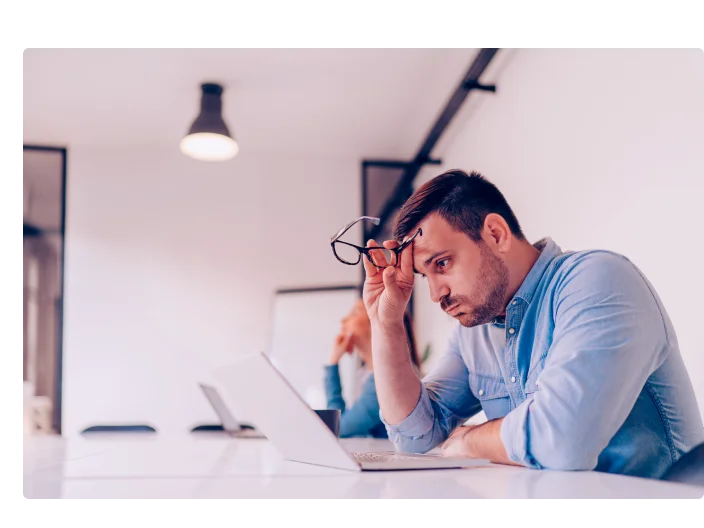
column 229, row 423
column 296, row 431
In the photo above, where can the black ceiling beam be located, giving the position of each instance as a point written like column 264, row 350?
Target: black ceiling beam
column 405, row 185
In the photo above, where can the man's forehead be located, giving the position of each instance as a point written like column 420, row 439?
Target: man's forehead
column 437, row 238
column 432, row 233
column 424, row 246
column 423, row 243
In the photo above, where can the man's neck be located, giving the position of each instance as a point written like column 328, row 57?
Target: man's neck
column 522, row 262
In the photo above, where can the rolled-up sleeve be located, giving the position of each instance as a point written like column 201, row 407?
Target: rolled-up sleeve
column 608, row 339
column 445, row 401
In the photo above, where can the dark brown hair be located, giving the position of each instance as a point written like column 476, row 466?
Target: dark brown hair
column 462, row 200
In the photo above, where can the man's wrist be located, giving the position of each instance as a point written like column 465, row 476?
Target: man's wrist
column 469, row 446
column 484, row 441
column 387, row 327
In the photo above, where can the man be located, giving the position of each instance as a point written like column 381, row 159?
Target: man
column 571, row 355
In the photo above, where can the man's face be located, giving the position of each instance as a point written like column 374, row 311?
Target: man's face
column 466, row 278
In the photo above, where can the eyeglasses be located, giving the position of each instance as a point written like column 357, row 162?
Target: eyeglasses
column 351, row 254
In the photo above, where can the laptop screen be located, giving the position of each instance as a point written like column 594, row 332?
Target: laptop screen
column 228, row 421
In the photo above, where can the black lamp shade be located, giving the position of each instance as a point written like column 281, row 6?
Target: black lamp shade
column 209, row 138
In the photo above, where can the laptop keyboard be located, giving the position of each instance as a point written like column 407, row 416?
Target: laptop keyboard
column 386, row 457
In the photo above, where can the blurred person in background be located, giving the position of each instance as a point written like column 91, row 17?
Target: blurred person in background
column 362, row 417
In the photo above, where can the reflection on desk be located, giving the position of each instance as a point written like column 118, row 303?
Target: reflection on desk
column 223, row 467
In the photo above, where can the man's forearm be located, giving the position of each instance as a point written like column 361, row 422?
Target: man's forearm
column 397, row 384
column 484, row 441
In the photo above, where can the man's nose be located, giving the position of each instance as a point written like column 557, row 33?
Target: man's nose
column 437, row 291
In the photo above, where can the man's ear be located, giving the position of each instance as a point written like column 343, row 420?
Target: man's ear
column 496, row 233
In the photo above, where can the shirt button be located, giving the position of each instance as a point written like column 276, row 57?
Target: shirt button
column 481, row 392
column 513, row 379
column 514, row 303
column 511, row 331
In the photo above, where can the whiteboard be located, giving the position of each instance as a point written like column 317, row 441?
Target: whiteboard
column 305, row 323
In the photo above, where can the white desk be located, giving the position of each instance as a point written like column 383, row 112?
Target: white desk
column 215, row 466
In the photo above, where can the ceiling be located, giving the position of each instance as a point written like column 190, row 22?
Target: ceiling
column 347, row 102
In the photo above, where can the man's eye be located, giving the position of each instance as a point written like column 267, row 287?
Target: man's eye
column 442, row 263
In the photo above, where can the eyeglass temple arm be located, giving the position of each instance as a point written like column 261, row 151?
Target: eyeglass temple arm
column 372, row 219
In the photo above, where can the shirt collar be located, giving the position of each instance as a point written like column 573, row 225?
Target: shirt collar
column 548, row 251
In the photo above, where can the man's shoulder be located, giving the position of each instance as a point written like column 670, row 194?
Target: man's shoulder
column 591, row 264
column 589, row 257
column 599, row 274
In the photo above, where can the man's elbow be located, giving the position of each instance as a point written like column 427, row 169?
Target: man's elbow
column 565, row 458
column 411, row 447
column 414, row 444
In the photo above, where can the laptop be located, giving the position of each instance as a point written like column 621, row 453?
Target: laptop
column 297, row 432
column 229, row 424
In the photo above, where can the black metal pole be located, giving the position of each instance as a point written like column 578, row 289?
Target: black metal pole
column 468, row 83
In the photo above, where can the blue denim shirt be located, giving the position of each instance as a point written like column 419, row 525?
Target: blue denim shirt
column 362, row 418
column 585, row 370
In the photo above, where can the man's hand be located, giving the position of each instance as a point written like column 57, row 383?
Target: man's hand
column 478, row 441
column 457, row 444
column 387, row 291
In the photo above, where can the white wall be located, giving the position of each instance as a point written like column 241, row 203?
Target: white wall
column 18, row 134
column 599, row 149
column 18, row 96
column 171, row 268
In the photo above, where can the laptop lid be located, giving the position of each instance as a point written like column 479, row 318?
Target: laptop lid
column 229, row 423
column 296, row 431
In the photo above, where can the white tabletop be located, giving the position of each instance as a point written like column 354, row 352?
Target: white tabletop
column 216, row 466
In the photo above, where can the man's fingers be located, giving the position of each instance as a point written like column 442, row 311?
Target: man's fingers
column 406, row 260
column 370, row 269
column 377, row 256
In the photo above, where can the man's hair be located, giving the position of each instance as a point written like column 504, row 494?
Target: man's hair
column 462, row 200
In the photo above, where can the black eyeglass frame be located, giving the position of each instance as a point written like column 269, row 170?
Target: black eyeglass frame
column 335, row 239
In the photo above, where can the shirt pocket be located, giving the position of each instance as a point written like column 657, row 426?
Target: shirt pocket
column 492, row 395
